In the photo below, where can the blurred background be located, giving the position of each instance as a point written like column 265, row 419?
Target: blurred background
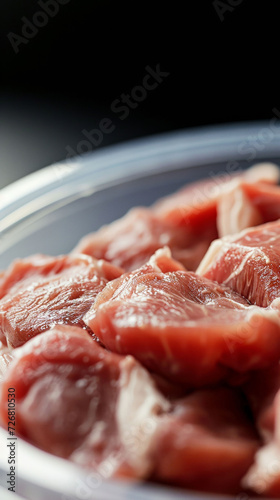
column 77, row 75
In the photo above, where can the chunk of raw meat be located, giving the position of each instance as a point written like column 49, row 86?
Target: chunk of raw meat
column 260, row 391
column 24, row 272
column 235, row 212
column 245, row 204
column 186, row 221
column 163, row 261
column 195, row 205
column 66, row 385
column 190, row 442
column 249, row 263
column 79, row 401
column 263, row 476
column 187, row 328
column 191, row 207
column 265, row 198
column 263, row 394
column 42, row 291
column 104, row 411
column 5, row 359
column 130, row 241
column 206, row 442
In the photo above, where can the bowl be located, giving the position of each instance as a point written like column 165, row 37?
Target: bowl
column 50, row 210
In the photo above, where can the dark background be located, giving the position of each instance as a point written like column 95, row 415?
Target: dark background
column 221, row 58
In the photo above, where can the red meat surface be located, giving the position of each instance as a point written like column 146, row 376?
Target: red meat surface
column 160, row 354
column 263, row 476
column 195, row 206
column 59, row 399
column 263, row 394
column 188, row 220
column 24, row 272
column 104, row 411
column 249, row 263
column 130, row 241
column 187, row 328
column 235, row 211
column 260, row 391
column 265, row 198
column 206, row 442
column 41, row 291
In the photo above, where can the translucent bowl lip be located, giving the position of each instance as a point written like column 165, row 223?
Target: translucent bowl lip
column 93, row 171
column 148, row 155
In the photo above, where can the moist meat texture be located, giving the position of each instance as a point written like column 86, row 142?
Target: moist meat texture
column 188, row 220
column 115, row 415
column 197, row 206
column 41, row 291
column 151, row 352
column 187, row 328
column 130, row 241
column 248, row 262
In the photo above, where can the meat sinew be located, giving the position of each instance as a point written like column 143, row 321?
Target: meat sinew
column 41, row 291
column 248, row 262
column 102, row 410
column 195, row 206
column 263, row 477
column 5, row 359
column 235, row 211
column 185, row 327
column 263, row 394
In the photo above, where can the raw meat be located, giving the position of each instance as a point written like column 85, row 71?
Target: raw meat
column 249, row 263
column 104, row 411
column 5, row 359
column 244, row 205
column 184, row 327
column 57, row 379
column 186, row 221
column 24, row 272
column 266, row 199
column 263, row 476
column 195, row 205
column 263, row 394
column 206, row 442
column 235, row 211
column 146, row 369
column 42, row 291
column 130, row 241
column 260, row 391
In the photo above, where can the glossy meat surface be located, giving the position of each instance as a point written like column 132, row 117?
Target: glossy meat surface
column 42, row 291
column 151, row 352
column 248, row 262
column 104, row 411
column 185, row 327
